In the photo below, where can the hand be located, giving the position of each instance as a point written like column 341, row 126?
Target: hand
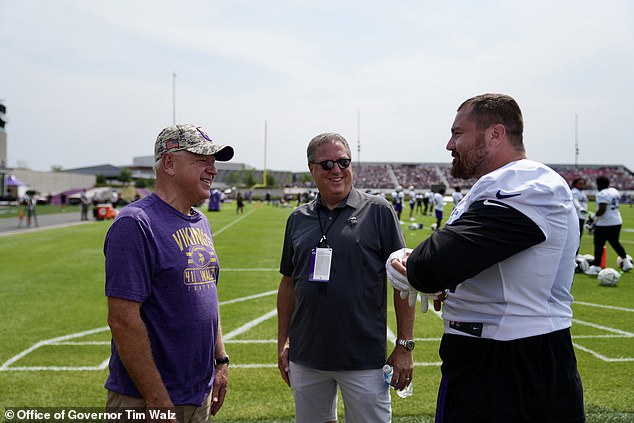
column 402, row 364
column 219, row 389
column 283, row 365
column 396, row 269
column 437, row 298
column 397, row 272
column 411, row 296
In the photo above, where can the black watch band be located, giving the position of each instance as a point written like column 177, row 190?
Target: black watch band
column 221, row 360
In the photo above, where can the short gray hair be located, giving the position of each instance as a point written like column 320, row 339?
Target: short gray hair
column 322, row 139
column 157, row 163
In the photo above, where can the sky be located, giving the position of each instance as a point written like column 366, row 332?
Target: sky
column 92, row 82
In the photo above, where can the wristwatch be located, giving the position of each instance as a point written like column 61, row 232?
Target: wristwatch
column 221, row 360
column 408, row 344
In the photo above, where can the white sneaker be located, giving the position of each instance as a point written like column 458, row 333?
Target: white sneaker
column 593, row 270
column 626, row 264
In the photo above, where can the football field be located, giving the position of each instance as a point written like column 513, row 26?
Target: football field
column 55, row 344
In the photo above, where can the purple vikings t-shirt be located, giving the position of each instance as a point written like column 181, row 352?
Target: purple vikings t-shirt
column 166, row 260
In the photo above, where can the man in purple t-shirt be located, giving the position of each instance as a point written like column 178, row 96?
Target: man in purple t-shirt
column 161, row 283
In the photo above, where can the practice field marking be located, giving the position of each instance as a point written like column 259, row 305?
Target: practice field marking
column 614, row 333
column 605, row 328
column 601, row 356
column 65, row 340
column 250, row 325
column 61, row 340
column 221, row 230
column 250, row 297
column 71, row 339
column 255, row 269
column 631, row 310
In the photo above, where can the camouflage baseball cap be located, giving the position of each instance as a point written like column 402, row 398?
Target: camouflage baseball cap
column 190, row 138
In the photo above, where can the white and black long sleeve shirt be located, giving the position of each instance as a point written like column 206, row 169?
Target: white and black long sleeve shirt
column 507, row 254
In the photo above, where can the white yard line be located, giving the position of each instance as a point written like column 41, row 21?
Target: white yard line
column 52, row 341
column 631, row 310
column 69, row 340
column 250, row 297
column 601, row 356
column 605, row 328
column 249, row 325
column 221, row 230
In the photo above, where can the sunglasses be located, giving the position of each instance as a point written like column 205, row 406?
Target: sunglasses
column 327, row 165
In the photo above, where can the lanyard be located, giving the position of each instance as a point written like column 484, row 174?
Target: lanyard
column 323, row 233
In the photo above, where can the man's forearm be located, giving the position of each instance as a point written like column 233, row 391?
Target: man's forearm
column 285, row 307
column 133, row 345
column 405, row 316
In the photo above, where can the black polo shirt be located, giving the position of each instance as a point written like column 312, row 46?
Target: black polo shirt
column 341, row 324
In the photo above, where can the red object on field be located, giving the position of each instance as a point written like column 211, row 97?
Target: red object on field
column 604, row 257
column 105, row 211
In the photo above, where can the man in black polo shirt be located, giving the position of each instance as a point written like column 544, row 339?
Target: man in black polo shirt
column 332, row 300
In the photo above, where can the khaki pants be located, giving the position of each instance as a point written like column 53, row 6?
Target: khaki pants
column 366, row 398
column 128, row 406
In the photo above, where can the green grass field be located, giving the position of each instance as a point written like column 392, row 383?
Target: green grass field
column 55, row 343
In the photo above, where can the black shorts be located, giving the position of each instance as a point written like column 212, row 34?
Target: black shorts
column 531, row 379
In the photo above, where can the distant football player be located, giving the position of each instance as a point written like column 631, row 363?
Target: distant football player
column 398, row 198
column 607, row 226
column 580, row 200
column 439, row 206
column 456, row 196
column 412, row 202
column 506, row 259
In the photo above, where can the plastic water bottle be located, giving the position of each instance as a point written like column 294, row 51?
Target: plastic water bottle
column 388, row 371
column 387, row 374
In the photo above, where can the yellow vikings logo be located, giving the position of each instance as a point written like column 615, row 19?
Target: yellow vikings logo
column 202, row 266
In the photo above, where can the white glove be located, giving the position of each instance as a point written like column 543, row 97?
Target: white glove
column 396, row 279
column 411, row 297
column 400, row 282
column 425, row 298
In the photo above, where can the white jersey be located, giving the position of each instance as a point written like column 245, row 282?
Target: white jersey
column 612, row 215
column 457, row 196
column 439, row 201
column 508, row 252
column 398, row 197
column 580, row 200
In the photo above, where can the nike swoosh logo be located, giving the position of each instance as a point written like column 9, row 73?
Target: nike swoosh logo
column 494, row 203
column 501, row 196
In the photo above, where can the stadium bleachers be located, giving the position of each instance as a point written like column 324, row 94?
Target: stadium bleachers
column 424, row 175
column 620, row 177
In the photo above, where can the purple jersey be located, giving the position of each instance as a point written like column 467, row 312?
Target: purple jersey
column 166, row 260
